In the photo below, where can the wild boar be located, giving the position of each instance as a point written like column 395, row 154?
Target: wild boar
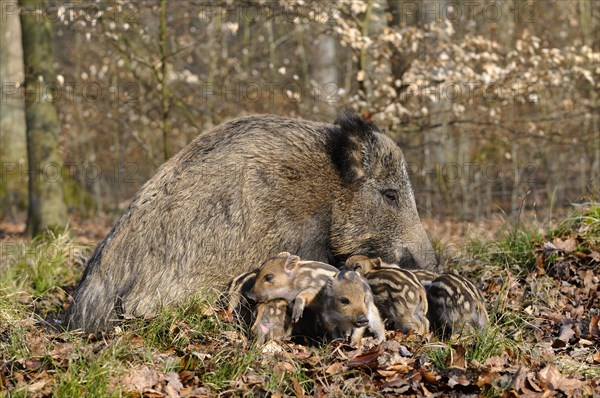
column 241, row 192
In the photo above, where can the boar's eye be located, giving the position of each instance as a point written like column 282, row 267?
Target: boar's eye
column 344, row 301
column 269, row 277
column 391, row 197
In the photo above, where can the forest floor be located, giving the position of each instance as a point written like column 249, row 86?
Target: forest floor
column 541, row 287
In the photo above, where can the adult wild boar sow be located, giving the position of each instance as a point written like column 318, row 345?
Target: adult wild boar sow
column 243, row 192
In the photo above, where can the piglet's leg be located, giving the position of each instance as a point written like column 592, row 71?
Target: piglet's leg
column 357, row 335
column 376, row 324
column 303, row 298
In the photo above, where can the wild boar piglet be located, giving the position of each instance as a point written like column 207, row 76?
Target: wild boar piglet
column 455, row 304
column 346, row 309
column 273, row 321
column 398, row 293
column 286, row 277
column 236, row 298
column 424, row 276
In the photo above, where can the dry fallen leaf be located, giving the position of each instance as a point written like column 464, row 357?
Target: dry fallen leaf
column 566, row 333
column 496, row 363
column 298, row 390
column 568, row 245
column 428, row 376
column 282, row 367
column 334, row 368
column 551, row 378
column 595, row 327
column 140, row 379
column 174, row 385
column 456, row 357
column 366, row 360
column 38, row 386
column 486, row 378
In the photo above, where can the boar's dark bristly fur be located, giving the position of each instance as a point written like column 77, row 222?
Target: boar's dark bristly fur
column 241, row 193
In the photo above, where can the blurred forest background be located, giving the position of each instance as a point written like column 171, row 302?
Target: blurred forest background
column 494, row 103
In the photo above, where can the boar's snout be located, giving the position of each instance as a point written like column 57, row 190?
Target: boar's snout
column 417, row 254
column 361, row 321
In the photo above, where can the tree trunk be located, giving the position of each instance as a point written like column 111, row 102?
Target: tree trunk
column 13, row 147
column 326, row 76
column 47, row 209
column 165, row 93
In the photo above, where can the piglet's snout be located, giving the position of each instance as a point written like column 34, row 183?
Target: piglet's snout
column 361, row 321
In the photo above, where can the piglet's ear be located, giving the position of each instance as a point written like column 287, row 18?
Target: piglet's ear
column 329, row 287
column 291, row 262
column 352, row 145
column 376, row 262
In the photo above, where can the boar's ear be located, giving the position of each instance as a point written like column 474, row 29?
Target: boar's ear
column 351, row 145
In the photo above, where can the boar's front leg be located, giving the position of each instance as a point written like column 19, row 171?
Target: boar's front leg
column 303, row 298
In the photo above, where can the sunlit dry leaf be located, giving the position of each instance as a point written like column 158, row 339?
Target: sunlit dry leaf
column 252, row 378
column 282, row 367
column 551, row 378
column 171, row 392
column 141, row 379
column 401, row 367
column 298, row 390
column 486, row 378
column 64, row 351
column 568, row 245
column 387, row 373
column 335, row 368
column 173, row 381
column 39, row 385
column 531, row 382
column 150, row 393
column 272, row 347
column 366, row 360
column 539, row 265
column 458, row 379
column 399, row 386
column 496, row 363
column 518, row 380
column 595, row 327
column 200, row 392
column 428, row 376
column 456, row 358
column 566, row 333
